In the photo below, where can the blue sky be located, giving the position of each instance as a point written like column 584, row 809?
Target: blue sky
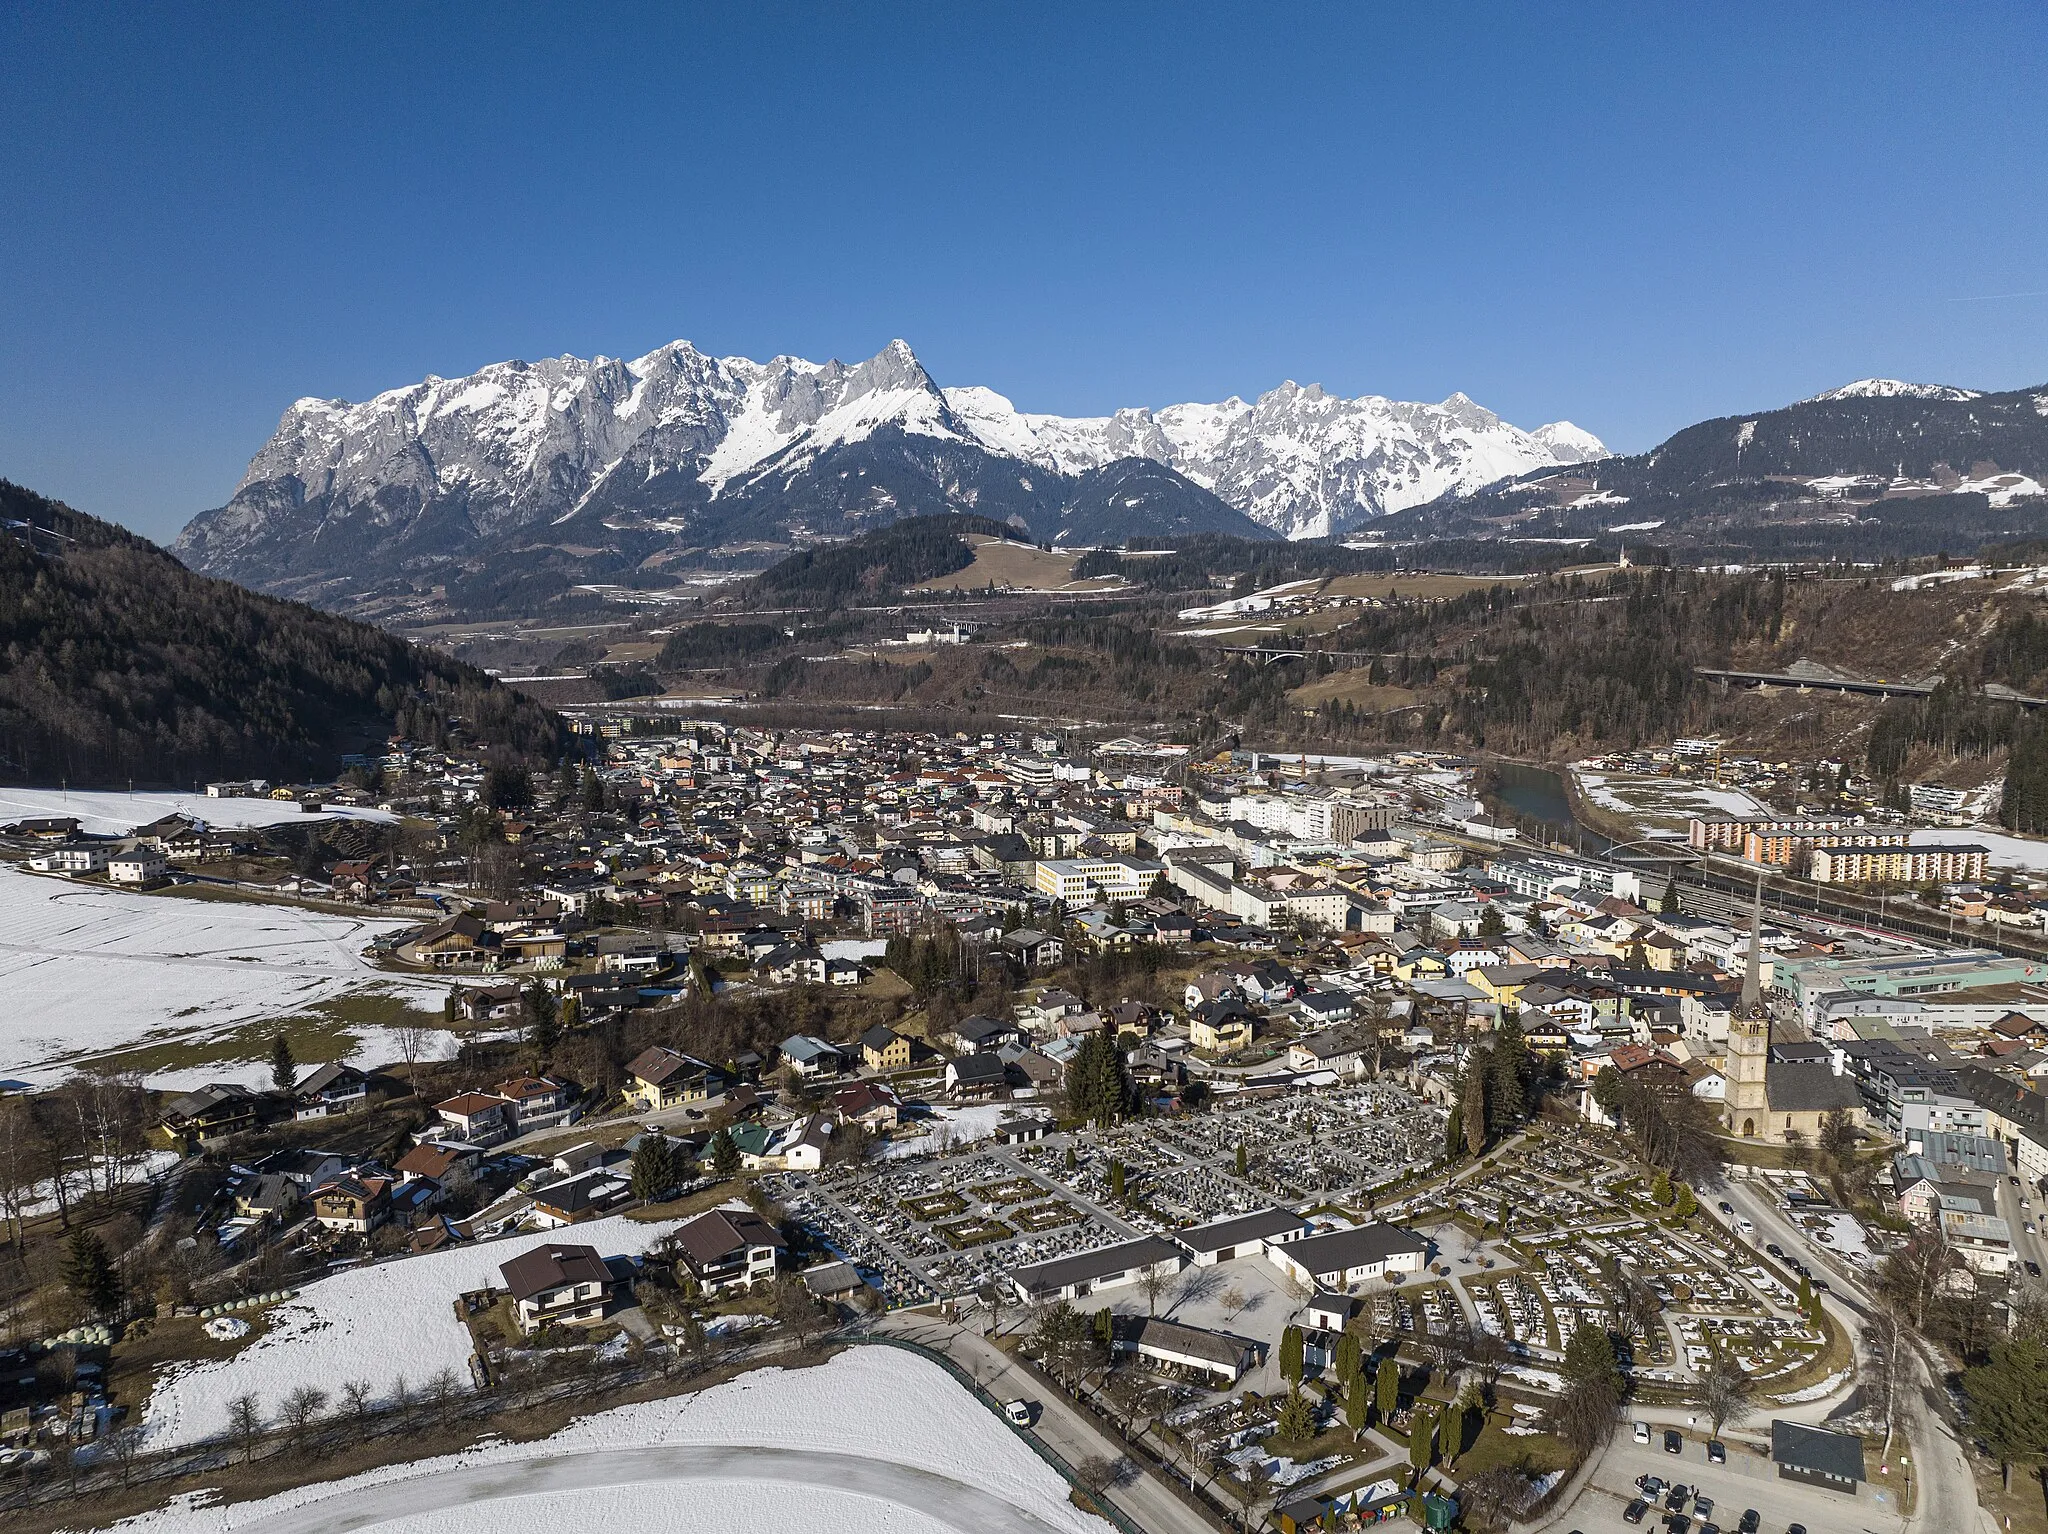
column 1632, row 217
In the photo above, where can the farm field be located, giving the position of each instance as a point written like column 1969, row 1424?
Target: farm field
column 374, row 1323
column 874, row 1440
column 105, row 813
column 1353, row 686
column 153, row 982
column 1654, row 804
column 1018, row 567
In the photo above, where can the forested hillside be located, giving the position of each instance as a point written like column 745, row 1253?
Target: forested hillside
column 1834, row 478
column 875, row 564
column 116, row 662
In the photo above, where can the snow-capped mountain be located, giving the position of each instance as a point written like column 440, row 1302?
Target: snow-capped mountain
column 1892, row 388
column 639, row 458
column 1303, row 462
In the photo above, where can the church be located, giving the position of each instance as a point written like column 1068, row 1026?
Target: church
column 1777, row 1099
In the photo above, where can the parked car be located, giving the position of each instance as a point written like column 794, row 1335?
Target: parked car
column 1642, row 1432
column 1703, row 1507
column 1020, row 1412
column 1717, row 1452
column 1674, row 1441
column 2033, row 1268
column 1774, row 1249
column 1726, row 1207
column 1752, row 1520
column 1636, row 1511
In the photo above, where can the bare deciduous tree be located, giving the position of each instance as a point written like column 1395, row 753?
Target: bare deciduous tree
column 245, row 1421
column 355, row 1400
column 1726, row 1391
column 299, row 1408
column 1154, row 1282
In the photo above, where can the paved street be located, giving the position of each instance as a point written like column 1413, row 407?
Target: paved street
column 1062, row 1427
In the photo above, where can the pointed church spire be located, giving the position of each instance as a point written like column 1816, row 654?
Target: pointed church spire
column 1751, row 969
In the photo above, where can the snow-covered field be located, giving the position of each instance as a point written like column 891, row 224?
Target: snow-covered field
column 950, row 1128
column 375, row 1323
column 113, row 814
column 2007, row 850
column 875, row 1440
column 90, row 971
column 1663, row 804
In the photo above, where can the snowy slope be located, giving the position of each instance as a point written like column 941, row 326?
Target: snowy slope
column 90, row 970
column 1299, row 460
column 1892, row 388
column 378, row 1323
column 676, row 442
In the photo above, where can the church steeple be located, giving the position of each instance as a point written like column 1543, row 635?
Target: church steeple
column 1749, row 1038
column 1750, row 989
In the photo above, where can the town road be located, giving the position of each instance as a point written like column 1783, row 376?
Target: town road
column 1061, row 1426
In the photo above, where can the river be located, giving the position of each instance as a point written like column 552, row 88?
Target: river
column 1539, row 794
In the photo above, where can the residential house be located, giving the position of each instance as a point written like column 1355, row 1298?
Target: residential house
column 450, row 1164
column 982, row 1075
column 478, row 1117
column 212, row 1112
column 540, row 1102
column 137, row 867
column 728, row 1249
column 1334, row 1049
column 1033, row 949
column 974, row 1035
column 457, row 942
column 357, row 1202
column 331, row 1089
column 811, row 1058
column 882, row 1048
column 660, row 1077
column 870, row 1104
column 557, row 1286
column 1221, row 1027
column 588, row 1197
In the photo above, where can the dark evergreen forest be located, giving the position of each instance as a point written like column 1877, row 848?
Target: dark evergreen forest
column 118, row 663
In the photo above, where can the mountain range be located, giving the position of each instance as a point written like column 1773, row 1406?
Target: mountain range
column 1875, row 469
column 606, row 468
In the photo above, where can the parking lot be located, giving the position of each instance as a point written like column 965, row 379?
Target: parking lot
column 1747, row 1480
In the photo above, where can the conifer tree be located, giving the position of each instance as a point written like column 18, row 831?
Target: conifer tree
column 284, row 1070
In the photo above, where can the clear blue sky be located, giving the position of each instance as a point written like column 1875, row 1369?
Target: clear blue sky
column 1632, row 217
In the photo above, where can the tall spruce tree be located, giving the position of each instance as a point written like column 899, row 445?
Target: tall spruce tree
column 89, row 1273
column 284, row 1070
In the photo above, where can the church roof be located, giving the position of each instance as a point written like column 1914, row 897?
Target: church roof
column 1799, row 1086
